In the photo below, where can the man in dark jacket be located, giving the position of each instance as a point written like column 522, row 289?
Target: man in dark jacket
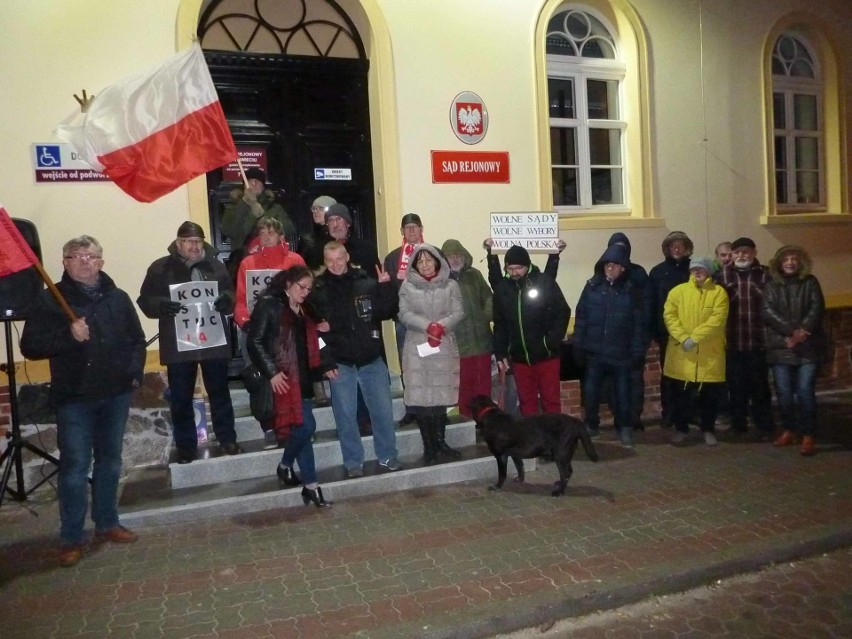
column 191, row 259
column 609, row 334
column 354, row 305
column 95, row 361
column 672, row 271
column 746, row 369
column 530, row 320
column 338, row 226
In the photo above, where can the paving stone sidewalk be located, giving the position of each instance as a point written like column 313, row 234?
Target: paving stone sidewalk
column 454, row 561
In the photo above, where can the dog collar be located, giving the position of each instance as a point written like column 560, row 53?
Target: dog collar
column 484, row 412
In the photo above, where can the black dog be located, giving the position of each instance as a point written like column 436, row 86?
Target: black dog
column 527, row 437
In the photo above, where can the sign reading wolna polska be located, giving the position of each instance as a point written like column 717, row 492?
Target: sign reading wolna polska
column 198, row 325
column 535, row 231
column 256, row 282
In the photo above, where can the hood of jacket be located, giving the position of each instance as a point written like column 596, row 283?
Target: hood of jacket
column 677, row 235
column 454, row 247
column 418, row 280
column 617, row 253
column 620, row 238
column 805, row 263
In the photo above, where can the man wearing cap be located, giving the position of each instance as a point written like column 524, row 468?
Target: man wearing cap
column 673, row 270
column 191, row 259
column 310, row 244
column 396, row 264
column 695, row 314
column 245, row 208
column 747, row 371
column 338, row 222
column 530, row 320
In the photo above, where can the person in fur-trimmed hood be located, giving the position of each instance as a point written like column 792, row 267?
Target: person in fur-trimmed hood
column 793, row 308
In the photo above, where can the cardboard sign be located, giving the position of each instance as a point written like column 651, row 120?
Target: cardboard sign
column 198, row 325
column 535, row 231
column 256, row 282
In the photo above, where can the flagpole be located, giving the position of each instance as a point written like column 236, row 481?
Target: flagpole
column 242, row 171
column 46, row 278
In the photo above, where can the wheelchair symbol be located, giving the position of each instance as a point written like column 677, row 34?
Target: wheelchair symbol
column 48, row 156
column 319, row 174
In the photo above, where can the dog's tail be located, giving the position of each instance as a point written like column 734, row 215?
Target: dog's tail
column 588, row 445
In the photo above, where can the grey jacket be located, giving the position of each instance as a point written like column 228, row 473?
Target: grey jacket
column 431, row 380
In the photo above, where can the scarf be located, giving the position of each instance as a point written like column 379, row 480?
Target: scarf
column 404, row 257
column 288, row 405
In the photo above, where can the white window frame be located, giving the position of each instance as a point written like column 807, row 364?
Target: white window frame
column 789, row 87
column 580, row 70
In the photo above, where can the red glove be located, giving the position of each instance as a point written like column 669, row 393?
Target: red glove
column 434, row 332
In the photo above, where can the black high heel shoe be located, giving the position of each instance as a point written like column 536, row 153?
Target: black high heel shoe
column 287, row 477
column 316, row 497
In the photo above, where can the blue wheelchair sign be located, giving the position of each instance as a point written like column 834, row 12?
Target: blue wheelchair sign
column 48, row 156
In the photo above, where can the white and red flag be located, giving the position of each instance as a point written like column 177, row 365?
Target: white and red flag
column 15, row 253
column 152, row 132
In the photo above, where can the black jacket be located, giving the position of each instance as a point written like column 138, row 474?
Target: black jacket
column 790, row 303
column 661, row 280
column 173, row 270
column 530, row 318
column 361, row 252
column 108, row 363
column 354, row 305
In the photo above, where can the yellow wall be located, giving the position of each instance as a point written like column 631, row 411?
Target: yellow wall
column 706, row 139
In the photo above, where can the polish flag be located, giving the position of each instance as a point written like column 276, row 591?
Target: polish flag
column 155, row 131
column 15, row 253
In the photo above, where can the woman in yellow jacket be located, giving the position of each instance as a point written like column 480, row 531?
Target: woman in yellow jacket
column 695, row 314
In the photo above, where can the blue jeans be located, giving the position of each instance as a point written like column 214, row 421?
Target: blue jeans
column 593, row 378
column 182, row 387
column 796, row 382
column 87, row 429
column 299, row 447
column 374, row 382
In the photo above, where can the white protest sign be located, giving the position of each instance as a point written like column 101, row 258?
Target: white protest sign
column 535, row 231
column 256, row 282
column 198, row 325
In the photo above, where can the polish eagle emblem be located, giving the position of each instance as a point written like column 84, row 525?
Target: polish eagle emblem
column 470, row 119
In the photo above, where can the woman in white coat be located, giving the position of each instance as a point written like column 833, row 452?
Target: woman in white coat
column 430, row 307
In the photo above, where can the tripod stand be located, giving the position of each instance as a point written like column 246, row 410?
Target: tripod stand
column 12, row 456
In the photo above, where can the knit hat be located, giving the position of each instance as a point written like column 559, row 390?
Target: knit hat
column 255, row 173
column 323, row 202
column 703, row 262
column 338, row 210
column 411, row 218
column 517, row 256
column 190, row 229
column 741, row 242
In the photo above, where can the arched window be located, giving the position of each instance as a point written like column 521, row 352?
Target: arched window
column 587, row 126
column 799, row 132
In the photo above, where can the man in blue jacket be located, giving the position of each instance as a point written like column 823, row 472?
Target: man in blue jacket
column 95, row 362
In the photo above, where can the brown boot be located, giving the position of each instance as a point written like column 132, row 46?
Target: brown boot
column 786, row 438
column 807, row 448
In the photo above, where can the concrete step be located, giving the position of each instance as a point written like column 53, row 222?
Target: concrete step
column 213, row 467
column 147, row 499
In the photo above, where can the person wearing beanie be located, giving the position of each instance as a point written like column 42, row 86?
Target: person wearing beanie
column 338, row 226
column 530, row 320
column 673, row 270
column 430, row 307
column 473, row 334
column 747, row 371
column 609, row 339
column 639, row 278
column 310, row 244
column 247, row 204
column 795, row 343
column 695, row 314
column 396, row 263
column 191, row 259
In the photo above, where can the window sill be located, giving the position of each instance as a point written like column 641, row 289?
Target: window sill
column 591, row 222
column 805, row 218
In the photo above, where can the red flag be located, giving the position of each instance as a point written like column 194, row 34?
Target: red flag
column 155, row 131
column 15, row 253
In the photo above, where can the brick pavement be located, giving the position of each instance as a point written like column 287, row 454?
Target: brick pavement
column 454, row 561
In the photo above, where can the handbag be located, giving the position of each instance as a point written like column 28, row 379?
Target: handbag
column 260, row 393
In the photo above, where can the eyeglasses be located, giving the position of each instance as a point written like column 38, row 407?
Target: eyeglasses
column 307, row 289
column 83, row 257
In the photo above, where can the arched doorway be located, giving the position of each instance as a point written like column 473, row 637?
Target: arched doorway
column 292, row 79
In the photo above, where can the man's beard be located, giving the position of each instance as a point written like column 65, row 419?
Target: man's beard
column 743, row 263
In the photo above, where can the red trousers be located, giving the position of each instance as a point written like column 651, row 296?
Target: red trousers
column 474, row 379
column 539, row 381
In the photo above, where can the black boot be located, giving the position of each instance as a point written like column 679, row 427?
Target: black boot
column 427, row 432
column 440, row 441
column 315, row 496
column 287, row 477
